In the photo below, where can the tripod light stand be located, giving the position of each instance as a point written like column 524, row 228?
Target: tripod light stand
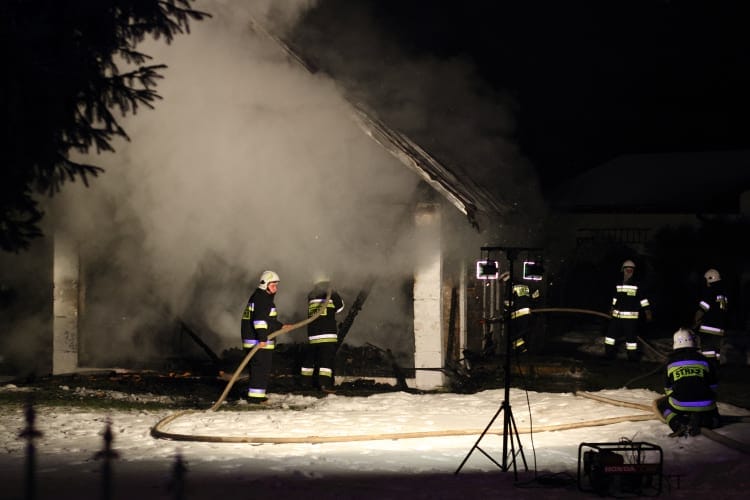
column 510, row 431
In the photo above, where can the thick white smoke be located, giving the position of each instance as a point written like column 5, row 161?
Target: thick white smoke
column 248, row 163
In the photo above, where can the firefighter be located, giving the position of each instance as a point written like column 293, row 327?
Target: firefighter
column 711, row 316
column 627, row 303
column 522, row 298
column 690, row 388
column 322, row 337
column 259, row 320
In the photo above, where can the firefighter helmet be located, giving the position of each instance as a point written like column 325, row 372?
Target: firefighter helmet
column 627, row 263
column 321, row 277
column 712, row 275
column 266, row 278
column 683, row 338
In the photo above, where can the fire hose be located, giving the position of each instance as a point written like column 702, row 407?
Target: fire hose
column 570, row 310
column 651, row 348
column 709, row 433
column 158, row 433
column 158, row 430
column 284, row 329
column 251, row 353
column 648, row 415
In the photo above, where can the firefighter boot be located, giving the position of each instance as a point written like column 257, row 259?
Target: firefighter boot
column 679, row 426
column 679, row 431
column 694, row 426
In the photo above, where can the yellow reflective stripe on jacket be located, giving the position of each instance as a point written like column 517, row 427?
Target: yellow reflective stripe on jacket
column 248, row 312
column 631, row 290
column 322, row 338
column 625, row 314
column 315, row 304
column 521, row 312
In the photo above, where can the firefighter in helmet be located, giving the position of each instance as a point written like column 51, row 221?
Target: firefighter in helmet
column 690, row 388
column 322, row 337
column 259, row 320
column 711, row 315
column 628, row 302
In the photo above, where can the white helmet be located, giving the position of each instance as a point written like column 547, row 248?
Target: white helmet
column 712, row 275
column 627, row 263
column 321, row 277
column 683, row 338
column 266, row 278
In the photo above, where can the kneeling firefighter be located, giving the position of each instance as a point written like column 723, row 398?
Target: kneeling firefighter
column 690, row 388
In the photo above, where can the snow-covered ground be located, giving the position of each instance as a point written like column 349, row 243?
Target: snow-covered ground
column 368, row 454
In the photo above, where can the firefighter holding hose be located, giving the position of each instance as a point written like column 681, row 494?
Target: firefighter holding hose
column 259, row 320
column 322, row 337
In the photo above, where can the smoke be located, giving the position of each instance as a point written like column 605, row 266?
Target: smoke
column 436, row 97
column 248, row 163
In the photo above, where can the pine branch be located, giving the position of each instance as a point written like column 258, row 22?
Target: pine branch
column 64, row 91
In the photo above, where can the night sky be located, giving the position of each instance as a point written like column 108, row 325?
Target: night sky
column 586, row 81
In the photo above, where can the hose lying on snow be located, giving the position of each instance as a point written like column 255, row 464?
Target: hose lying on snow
column 156, row 432
column 709, row 433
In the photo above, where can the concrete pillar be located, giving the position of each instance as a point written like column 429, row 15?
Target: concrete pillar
column 65, row 306
column 462, row 301
column 429, row 344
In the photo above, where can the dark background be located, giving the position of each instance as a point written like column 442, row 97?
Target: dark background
column 572, row 85
column 587, row 80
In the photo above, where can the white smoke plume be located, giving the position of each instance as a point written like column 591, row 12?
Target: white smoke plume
column 249, row 163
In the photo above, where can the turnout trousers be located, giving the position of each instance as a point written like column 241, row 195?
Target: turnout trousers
column 260, row 373
column 317, row 368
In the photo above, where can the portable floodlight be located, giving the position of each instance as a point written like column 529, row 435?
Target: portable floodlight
column 487, row 270
column 533, row 271
column 512, row 448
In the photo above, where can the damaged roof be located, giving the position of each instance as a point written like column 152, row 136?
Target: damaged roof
column 471, row 198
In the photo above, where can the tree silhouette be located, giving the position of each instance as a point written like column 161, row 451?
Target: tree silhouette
column 63, row 90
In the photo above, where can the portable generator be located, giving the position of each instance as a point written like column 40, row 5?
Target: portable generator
column 620, row 469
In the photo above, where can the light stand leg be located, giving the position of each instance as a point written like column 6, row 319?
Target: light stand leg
column 476, row 445
column 510, row 431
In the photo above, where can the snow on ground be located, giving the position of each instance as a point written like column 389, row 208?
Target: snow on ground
column 367, row 467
